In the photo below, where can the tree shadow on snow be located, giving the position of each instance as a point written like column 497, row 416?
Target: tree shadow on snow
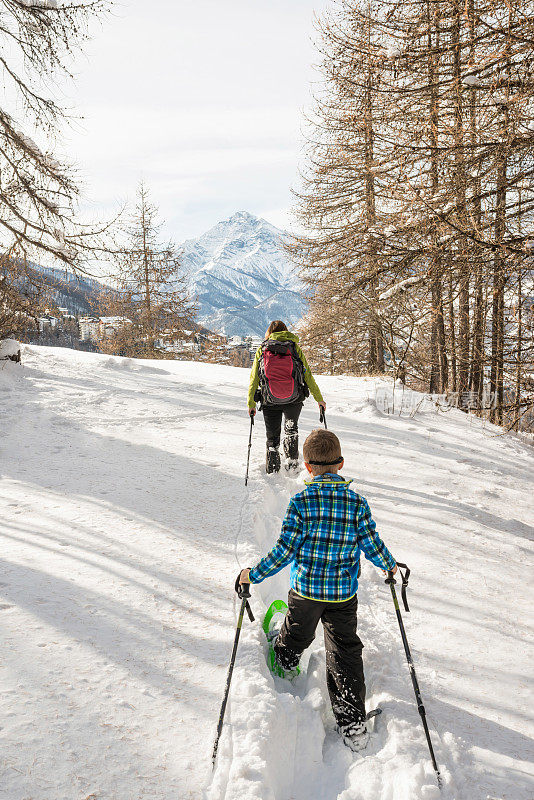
column 419, row 499
column 166, row 496
column 490, row 775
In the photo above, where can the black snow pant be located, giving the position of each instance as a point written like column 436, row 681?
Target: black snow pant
column 344, row 664
column 273, row 427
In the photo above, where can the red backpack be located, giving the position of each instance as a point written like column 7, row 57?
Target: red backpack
column 281, row 374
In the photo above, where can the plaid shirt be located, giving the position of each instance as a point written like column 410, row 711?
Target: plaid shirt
column 324, row 531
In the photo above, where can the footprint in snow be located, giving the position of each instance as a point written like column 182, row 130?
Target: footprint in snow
column 5, row 606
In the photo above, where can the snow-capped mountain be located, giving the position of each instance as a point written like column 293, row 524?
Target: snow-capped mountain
column 242, row 277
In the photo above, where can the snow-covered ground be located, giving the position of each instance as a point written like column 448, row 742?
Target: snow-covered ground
column 123, row 519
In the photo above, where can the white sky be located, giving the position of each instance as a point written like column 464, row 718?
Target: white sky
column 201, row 98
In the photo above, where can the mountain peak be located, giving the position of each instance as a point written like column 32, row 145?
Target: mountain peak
column 242, row 277
column 243, row 216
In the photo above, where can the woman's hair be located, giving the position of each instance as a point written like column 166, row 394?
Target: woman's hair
column 322, row 446
column 276, row 326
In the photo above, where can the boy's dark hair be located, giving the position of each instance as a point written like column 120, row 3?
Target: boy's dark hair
column 322, row 445
column 276, row 326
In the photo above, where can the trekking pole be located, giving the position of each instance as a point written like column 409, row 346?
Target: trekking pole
column 420, row 707
column 249, row 445
column 243, row 592
column 322, row 417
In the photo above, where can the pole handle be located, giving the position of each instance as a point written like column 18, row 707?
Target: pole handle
column 322, row 417
column 243, row 592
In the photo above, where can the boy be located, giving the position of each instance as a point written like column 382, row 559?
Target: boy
column 325, row 528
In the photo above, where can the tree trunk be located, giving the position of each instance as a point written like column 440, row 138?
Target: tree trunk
column 146, row 268
column 476, row 376
column 452, row 334
column 499, row 280
column 497, row 333
column 460, row 191
column 375, row 360
column 517, row 424
column 438, row 357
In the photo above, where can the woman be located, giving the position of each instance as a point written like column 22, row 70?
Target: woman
column 281, row 380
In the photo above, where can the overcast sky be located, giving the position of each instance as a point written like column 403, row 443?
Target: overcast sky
column 201, row 98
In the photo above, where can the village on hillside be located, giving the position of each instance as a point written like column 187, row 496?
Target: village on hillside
column 57, row 327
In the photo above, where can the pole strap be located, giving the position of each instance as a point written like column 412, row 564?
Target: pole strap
column 243, row 592
column 404, row 577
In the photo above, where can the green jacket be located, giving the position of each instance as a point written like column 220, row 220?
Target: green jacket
column 282, row 336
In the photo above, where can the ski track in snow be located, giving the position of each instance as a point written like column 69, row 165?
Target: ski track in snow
column 123, row 520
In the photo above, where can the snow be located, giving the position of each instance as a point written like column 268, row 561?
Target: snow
column 472, row 80
column 124, row 519
column 395, row 50
column 29, row 143
column 9, row 348
column 50, row 161
column 401, row 286
column 40, row 3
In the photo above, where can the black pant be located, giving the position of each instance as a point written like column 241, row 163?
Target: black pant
column 344, row 664
column 273, row 427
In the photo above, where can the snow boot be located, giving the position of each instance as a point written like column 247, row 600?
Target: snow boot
column 355, row 735
column 272, row 461
column 291, row 440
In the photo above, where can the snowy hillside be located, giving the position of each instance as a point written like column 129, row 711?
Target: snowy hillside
column 123, row 521
column 79, row 294
column 242, row 277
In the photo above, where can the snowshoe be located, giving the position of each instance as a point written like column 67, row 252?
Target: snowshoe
column 292, row 467
column 373, row 714
column 272, row 623
column 355, row 735
column 272, row 461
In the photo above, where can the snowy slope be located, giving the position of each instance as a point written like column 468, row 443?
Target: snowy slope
column 123, row 521
column 79, row 294
column 242, row 277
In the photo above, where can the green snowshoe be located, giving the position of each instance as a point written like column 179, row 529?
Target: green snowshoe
column 271, row 628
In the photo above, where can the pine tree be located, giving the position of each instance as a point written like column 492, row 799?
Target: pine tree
column 151, row 302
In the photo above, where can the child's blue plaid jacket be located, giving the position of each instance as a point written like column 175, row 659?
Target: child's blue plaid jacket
column 324, row 531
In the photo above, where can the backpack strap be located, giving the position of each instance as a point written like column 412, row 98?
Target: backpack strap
column 299, row 371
